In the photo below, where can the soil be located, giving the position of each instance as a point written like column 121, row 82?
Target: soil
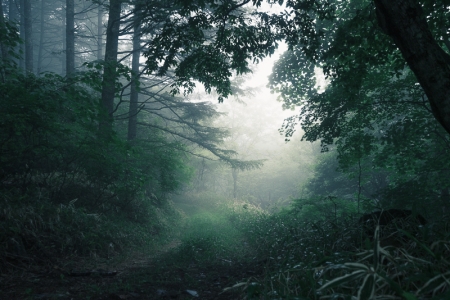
column 137, row 277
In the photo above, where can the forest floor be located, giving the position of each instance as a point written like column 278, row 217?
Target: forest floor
column 138, row 276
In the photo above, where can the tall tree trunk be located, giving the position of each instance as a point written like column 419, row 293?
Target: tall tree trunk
column 134, row 95
column 100, row 32
column 70, row 37
column 405, row 22
column 63, row 46
column 3, row 48
column 22, row 33
column 14, row 18
column 109, row 73
column 28, row 36
column 234, row 173
column 41, row 38
column 13, row 11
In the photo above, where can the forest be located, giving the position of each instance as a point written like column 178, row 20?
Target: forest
column 225, row 149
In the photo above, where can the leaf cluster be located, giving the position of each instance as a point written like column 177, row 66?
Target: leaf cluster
column 206, row 41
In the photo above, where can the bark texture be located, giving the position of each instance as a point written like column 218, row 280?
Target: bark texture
column 405, row 22
column 28, row 36
column 41, row 38
column 111, row 48
column 134, row 95
column 3, row 48
column 70, row 37
column 99, row 32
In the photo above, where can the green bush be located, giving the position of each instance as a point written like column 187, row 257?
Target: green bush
column 68, row 188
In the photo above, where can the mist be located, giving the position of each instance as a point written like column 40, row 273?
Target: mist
column 224, row 149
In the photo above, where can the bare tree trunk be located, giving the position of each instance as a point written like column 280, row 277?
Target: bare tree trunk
column 134, row 95
column 14, row 18
column 100, row 32
column 234, row 173
column 41, row 38
column 28, row 36
column 3, row 48
column 112, row 43
column 405, row 22
column 13, row 11
column 22, row 33
column 63, row 34
column 70, row 37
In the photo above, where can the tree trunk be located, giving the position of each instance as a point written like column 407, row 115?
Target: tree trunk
column 41, row 38
column 405, row 22
column 100, row 32
column 112, row 43
column 63, row 34
column 13, row 11
column 28, row 36
column 14, row 18
column 3, row 48
column 134, row 95
column 70, row 37
column 21, row 33
column 234, row 173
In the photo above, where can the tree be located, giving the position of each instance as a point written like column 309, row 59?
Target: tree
column 314, row 23
column 3, row 29
column 111, row 48
column 372, row 112
column 41, row 38
column 70, row 37
column 406, row 23
column 99, row 32
column 207, row 41
column 28, row 27
column 134, row 95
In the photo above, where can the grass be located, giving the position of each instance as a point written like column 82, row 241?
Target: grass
column 227, row 249
column 297, row 259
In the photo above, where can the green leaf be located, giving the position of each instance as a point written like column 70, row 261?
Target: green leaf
column 343, row 279
column 367, row 289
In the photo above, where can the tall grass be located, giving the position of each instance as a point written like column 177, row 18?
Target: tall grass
column 33, row 234
column 334, row 260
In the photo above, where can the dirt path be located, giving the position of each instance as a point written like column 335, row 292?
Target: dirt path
column 138, row 277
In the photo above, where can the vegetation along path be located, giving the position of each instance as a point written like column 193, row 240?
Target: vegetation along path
column 145, row 155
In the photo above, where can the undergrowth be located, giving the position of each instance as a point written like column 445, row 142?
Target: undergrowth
column 46, row 234
column 329, row 260
column 325, row 259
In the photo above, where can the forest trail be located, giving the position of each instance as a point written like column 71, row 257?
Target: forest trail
column 138, row 277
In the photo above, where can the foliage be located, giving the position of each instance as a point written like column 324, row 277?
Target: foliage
column 390, row 272
column 213, row 40
column 334, row 259
column 32, row 234
column 50, row 144
column 372, row 112
column 322, row 208
column 214, row 228
column 67, row 190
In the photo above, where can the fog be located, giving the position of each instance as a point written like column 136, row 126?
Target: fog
column 253, row 119
column 143, row 155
